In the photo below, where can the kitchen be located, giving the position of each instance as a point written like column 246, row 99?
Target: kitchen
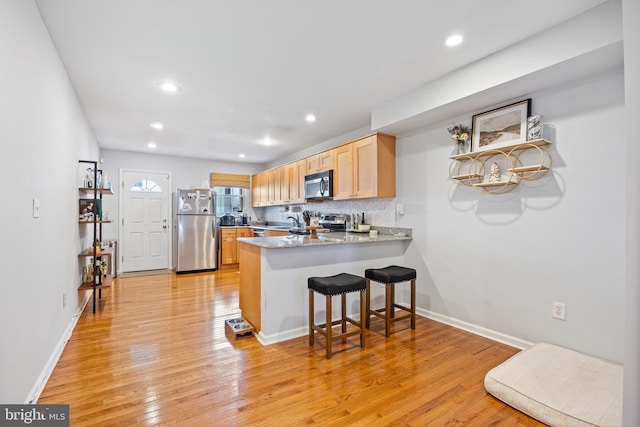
column 318, row 186
column 360, row 170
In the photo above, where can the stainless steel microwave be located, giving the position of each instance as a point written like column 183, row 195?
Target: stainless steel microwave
column 319, row 185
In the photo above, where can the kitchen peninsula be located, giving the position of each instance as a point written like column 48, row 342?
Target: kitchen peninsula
column 274, row 272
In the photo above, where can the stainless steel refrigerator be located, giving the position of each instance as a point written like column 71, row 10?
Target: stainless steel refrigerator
column 197, row 248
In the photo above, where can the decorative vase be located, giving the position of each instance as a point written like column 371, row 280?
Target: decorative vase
column 460, row 147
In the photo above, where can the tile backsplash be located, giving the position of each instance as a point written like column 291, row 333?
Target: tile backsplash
column 378, row 212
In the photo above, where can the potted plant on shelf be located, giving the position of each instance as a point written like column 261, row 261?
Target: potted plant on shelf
column 460, row 134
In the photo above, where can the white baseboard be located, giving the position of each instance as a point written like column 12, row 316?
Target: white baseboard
column 282, row 336
column 475, row 329
column 456, row 323
column 42, row 379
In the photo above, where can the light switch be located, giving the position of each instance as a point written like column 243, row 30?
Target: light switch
column 36, row 208
column 400, row 209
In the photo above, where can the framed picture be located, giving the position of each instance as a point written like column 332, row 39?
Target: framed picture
column 500, row 127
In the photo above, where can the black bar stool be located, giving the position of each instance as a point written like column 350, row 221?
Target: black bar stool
column 390, row 276
column 340, row 284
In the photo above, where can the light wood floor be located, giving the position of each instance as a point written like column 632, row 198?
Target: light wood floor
column 156, row 353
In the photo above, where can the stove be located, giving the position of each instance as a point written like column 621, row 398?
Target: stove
column 333, row 222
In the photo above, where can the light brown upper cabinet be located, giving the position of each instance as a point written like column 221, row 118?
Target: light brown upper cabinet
column 362, row 169
column 292, row 186
column 255, row 190
column 297, row 190
column 365, row 168
column 266, row 188
column 259, row 189
column 283, row 173
column 343, row 172
column 274, row 192
column 320, row 162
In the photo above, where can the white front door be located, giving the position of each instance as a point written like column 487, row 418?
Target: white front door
column 145, row 221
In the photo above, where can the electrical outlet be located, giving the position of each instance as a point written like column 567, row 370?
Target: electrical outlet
column 400, row 209
column 559, row 311
column 64, row 300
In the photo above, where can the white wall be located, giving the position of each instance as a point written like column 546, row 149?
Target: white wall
column 631, row 408
column 44, row 133
column 186, row 173
column 499, row 262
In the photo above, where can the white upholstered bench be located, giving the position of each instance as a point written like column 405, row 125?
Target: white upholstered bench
column 560, row 387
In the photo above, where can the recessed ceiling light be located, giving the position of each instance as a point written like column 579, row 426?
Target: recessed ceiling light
column 152, row 145
column 157, row 125
column 310, row 118
column 168, row 87
column 454, row 40
column 242, row 156
column 267, row 141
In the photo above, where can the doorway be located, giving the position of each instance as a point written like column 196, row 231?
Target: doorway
column 145, row 220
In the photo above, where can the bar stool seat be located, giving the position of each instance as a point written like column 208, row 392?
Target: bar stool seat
column 389, row 276
column 330, row 286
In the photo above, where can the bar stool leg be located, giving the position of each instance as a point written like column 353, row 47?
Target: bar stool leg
column 344, row 313
column 312, row 319
column 328, row 325
column 363, row 316
column 388, row 292
column 368, row 304
column 413, row 304
column 393, row 299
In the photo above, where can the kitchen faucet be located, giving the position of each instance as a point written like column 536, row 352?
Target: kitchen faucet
column 296, row 220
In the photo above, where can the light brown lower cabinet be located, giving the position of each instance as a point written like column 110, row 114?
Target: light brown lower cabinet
column 229, row 244
column 268, row 233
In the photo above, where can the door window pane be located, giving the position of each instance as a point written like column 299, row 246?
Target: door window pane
column 145, row 185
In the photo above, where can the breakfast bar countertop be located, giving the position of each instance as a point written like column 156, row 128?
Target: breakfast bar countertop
column 334, row 238
column 274, row 272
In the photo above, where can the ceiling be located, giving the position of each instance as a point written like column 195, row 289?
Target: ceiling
column 253, row 69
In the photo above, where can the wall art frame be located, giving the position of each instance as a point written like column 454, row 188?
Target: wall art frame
column 500, row 127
